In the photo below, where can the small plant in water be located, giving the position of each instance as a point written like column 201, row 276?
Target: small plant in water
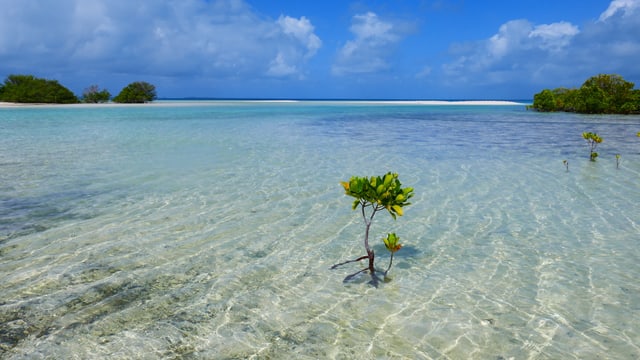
column 617, row 161
column 593, row 140
column 372, row 195
column 392, row 243
column 566, row 164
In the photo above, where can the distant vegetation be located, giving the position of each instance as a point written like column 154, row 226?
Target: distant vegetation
column 136, row 92
column 32, row 90
column 600, row 94
column 94, row 95
column 29, row 89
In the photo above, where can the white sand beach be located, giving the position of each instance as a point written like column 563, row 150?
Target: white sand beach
column 447, row 102
column 219, row 102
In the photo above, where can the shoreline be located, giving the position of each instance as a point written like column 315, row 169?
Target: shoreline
column 9, row 105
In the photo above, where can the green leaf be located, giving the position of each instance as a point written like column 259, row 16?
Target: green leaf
column 387, row 179
column 391, row 242
column 355, row 204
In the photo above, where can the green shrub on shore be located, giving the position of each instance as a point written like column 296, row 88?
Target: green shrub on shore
column 94, row 95
column 30, row 89
column 136, row 92
column 600, row 94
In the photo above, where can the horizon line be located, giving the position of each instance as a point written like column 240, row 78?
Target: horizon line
column 338, row 99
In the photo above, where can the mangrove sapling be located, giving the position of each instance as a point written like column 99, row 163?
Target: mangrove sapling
column 372, row 195
column 617, row 161
column 593, row 140
column 566, row 164
column 391, row 243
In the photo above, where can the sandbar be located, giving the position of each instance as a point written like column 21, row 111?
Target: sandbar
column 283, row 101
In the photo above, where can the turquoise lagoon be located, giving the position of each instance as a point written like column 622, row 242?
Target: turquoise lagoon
column 207, row 230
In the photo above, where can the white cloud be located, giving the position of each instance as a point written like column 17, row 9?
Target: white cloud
column 222, row 38
column 288, row 59
column 514, row 49
column 555, row 54
column 626, row 7
column 550, row 55
column 556, row 36
column 302, row 30
column 368, row 52
column 370, row 27
column 279, row 67
column 520, row 35
column 509, row 37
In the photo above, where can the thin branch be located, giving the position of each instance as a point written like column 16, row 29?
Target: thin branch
column 349, row 277
column 390, row 262
column 349, row 262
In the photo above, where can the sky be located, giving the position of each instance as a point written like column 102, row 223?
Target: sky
column 329, row 49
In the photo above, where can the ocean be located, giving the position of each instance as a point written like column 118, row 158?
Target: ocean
column 208, row 229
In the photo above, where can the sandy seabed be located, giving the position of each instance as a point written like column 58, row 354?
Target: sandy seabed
column 170, row 231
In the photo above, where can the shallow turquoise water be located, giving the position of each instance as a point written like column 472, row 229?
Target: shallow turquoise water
column 207, row 230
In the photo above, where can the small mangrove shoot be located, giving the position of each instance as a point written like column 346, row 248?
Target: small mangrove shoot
column 392, row 243
column 593, row 140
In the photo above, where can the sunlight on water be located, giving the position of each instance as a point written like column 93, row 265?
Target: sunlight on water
column 209, row 231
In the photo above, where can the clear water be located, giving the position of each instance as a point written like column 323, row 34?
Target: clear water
column 207, row 230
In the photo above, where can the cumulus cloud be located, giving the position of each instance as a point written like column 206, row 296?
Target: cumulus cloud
column 223, row 38
column 302, row 30
column 554, row 37
column 555, row 53
column 368, row 52
column 510, row 51
column 288, row 58
column 626, row 7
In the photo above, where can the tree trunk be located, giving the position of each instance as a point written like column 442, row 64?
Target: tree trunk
column 370, row 253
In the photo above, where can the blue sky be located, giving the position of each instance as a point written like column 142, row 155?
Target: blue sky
column 431, row 49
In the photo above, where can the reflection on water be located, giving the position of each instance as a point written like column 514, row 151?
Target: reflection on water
column 209, row 231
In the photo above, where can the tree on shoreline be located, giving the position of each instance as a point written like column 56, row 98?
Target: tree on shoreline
column 94, row 95
column 136, row 92
column 30, row 89
column 600, row 94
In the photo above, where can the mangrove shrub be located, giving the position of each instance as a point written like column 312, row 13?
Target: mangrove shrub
column 371, row 195
column 94, row 95
column 30, row 89
column 600, row 94
column 593, row 140
column 136, row 92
